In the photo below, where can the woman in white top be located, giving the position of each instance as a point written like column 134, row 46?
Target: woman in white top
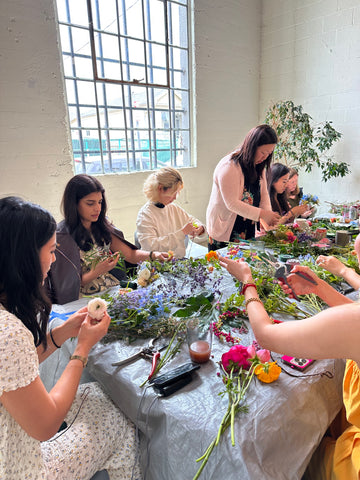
column 161, row 224
column 98, row 435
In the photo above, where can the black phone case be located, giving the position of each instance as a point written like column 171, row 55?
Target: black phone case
column 174, row 386
column 174, row 375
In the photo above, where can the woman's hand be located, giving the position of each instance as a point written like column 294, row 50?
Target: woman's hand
column 331, row 264
column 239, row 269
column 189, row 229
column 299, row 210
column 299, row 285
column 270, row 217
column 106, row 265
column 91, row 332
column 161, row 256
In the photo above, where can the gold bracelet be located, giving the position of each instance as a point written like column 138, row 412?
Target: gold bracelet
column 252, row 299
column 84, row 360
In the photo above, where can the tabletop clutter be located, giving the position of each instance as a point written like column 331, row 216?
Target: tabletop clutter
column 190, row 314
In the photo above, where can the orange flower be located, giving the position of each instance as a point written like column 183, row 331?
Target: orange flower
column 268, row 372
column 212, row 256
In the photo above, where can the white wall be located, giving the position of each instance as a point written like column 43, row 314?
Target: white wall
column 311, row 55
column 35, row 160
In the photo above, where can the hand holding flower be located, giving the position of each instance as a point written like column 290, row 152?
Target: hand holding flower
column 239, row 269
column 97, row 308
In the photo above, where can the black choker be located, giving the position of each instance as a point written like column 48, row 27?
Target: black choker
column 159, row 205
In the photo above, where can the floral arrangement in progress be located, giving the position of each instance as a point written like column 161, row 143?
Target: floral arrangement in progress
column 238, row 367
column 98, row 254
column 309, row 199
column 168, row 292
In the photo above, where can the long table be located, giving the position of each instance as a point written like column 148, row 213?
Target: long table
column 274, row 440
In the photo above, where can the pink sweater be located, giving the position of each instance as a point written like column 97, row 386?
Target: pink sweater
column 226, row 200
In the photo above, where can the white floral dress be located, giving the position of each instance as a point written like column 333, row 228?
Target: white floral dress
column 101, row 437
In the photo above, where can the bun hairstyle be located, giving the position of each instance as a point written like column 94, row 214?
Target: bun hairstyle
column 166, row 177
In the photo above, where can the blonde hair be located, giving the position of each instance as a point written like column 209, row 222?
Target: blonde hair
column 166, row 177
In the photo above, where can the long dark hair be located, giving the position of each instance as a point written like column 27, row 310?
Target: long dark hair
column 245, row 156
column 25, row 228
column 77, row 188
column 279, row 201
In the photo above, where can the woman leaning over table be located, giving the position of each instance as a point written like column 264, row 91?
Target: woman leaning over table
column 277, row 182
column 161, row 224
column 239, row 196
column 318, row 337
column 99, row 436
column 85, row 225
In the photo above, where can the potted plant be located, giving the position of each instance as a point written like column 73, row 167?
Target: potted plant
column 302, row 143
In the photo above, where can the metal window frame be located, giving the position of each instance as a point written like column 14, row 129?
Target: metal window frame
column 99, row 81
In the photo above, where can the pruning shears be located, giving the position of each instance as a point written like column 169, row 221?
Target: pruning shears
column 282, row 273
column 150, row 351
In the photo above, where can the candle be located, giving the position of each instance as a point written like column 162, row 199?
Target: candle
column 200, row 351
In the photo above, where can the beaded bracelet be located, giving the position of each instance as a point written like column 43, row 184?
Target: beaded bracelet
column 245, row 286
column 52, row 339
column 252, row 299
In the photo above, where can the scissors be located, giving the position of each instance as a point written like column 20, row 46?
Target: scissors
column 282, row 273
column 150, row 351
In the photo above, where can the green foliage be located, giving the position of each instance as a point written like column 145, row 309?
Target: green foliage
column 303, row 144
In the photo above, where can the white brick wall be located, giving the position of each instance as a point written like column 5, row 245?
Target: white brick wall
column 322, row 75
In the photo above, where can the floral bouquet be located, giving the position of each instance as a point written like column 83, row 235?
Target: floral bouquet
column 309, row 199
column 238, row 367
column 146, row 274
column 98, row 254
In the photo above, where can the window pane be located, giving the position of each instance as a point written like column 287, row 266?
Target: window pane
column 133, row 16
column 104, row 15
column 155, row 21
column 178, row 25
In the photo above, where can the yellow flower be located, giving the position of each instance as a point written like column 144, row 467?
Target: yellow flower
column 268, row 372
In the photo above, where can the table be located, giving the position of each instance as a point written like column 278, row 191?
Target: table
column 274, row 440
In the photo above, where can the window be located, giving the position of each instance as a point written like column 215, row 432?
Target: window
column 126, row 68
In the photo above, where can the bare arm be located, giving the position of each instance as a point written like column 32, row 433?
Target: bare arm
column 135, row 256
column 334, row 266
column 316, row 337
column 40, row 413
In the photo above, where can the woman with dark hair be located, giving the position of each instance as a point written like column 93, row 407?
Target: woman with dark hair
column 84, row 227
column 239, row 196
column 29, row 415
column 277, row 182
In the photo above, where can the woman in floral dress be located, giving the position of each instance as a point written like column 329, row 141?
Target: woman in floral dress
column 98, row 436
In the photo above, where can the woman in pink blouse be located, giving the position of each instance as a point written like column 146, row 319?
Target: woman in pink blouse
column 239, row 196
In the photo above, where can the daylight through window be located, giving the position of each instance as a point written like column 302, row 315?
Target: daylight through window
column 126, row 67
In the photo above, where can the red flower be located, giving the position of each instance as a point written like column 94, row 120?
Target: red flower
column 236, row 357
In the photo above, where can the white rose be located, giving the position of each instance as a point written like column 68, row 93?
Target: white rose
column 97, row 308
column 145, row 273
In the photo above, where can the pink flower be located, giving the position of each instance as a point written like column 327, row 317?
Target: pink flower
column 236, row 357
column 263, row 355
column 251, row 351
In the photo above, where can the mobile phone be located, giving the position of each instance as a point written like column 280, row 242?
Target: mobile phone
column 174, row 375
column 298, row 363
column 173, row 387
